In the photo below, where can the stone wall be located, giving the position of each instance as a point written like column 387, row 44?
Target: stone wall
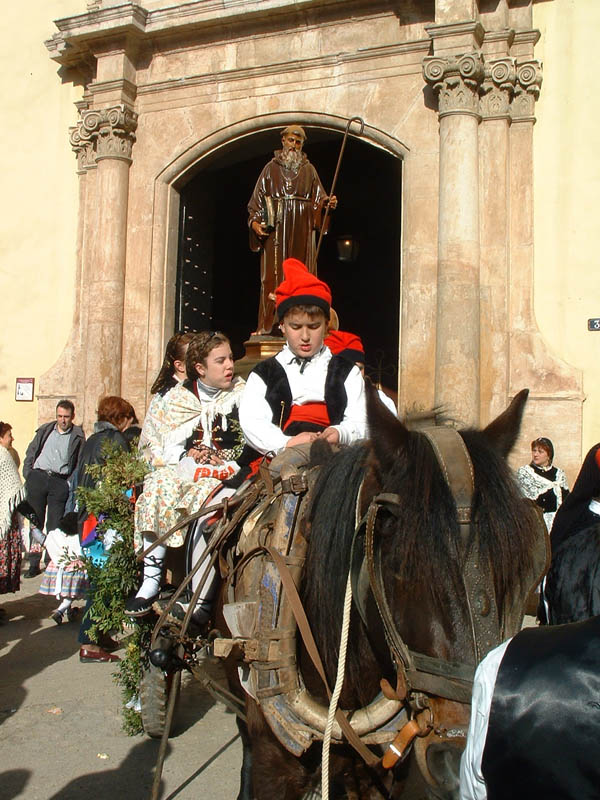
column 448, row 89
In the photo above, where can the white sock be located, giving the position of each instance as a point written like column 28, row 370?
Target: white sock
column 65, row 605
column 153, row 564
column 211, row 585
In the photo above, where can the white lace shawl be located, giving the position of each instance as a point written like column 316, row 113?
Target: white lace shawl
column 11, row 490
column 186, row 412
column 532, row 485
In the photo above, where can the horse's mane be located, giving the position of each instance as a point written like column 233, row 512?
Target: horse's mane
column 332, row 523
column 507, row 523
column 422, row 543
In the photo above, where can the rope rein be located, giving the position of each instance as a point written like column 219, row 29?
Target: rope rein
column 339, row 681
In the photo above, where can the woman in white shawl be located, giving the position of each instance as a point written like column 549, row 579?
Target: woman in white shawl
column 542, row 482
column 171, row 374
column 11, row 494
column 197, row 445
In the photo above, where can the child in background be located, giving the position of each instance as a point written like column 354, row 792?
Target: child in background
column 65, row 576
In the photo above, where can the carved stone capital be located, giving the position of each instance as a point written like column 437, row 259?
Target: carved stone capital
column 498, row 88
column 104, row 133
column 83, row 147
column 527, row 91
column 112, row 130
column 456, row 80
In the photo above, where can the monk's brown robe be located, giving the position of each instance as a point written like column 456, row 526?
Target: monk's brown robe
column 300, row 197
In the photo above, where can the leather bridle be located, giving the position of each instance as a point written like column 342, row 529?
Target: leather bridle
column 416, row 672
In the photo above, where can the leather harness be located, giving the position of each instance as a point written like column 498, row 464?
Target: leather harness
column 416, row 672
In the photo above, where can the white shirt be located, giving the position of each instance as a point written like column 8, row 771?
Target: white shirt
column 306, row 387
column 472, row 783
column 387, row 402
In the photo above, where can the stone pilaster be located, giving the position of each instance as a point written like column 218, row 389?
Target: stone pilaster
column 497, row 88
column 527, row 91
column 456, row 80
column 494, row 153
column 105, row 138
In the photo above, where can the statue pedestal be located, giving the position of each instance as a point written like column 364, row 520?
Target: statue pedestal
column 258, row 347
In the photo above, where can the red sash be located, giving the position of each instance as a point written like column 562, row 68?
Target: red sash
column 309, row 412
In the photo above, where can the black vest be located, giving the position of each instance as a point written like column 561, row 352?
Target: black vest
column 279, row 394
column 544, row 726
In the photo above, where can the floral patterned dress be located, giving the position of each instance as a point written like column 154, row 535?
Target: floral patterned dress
column 173, row 489
column 11, row 494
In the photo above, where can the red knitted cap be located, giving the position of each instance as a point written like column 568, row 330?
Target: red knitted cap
column 345, row 344
column 300, row 287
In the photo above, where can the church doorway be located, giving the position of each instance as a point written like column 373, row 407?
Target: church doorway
column 218, row 275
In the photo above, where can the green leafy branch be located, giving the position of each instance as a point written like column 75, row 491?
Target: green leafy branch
column 118, row 577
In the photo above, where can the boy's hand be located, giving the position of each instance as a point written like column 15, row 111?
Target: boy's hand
column 301, row 438
column 332, row 435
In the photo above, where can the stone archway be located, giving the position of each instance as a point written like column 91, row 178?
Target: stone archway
column 252, row 140
column 217, row 284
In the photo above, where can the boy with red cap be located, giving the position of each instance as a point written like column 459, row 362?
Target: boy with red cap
column 350, row 346
column 304, row 391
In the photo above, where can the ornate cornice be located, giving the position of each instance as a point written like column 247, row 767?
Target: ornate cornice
column 456, row 80
column 79, row 35
column 457, row 30
column 103, row 133
column 527, row 91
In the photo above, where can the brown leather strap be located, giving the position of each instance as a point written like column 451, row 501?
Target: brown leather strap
column 455, row 462
column 311, row 646
column 398, row 748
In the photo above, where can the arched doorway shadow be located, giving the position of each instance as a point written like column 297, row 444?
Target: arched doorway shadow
column 218, row 275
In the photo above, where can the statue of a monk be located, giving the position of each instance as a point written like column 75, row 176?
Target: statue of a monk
column 286, row 207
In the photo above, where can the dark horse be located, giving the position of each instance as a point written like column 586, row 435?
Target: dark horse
column 544, row 719
column 423, row 555
column 573, row 581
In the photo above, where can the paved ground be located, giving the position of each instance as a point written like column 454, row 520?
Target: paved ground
column 60, row 722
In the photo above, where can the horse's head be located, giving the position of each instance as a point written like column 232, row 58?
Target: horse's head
column 453, row 572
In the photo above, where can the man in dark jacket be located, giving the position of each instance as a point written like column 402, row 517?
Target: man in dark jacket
column 50, row 462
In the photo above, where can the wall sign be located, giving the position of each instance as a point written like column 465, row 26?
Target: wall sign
column 594, row 324
column 24, row 389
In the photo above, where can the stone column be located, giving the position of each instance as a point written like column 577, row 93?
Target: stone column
column 522, row 323
column 494, row 151
column 112, row 132
column 456, row 81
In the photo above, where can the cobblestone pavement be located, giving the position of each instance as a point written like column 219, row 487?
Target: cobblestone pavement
column 60, row 722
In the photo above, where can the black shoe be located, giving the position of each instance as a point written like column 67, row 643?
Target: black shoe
column 57, row 616
column 32, row 572
column 198, row 623
column 139, row 606
column 73, row 613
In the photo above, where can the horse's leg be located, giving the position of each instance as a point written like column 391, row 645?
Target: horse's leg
column 276, row 773
column 246, row 771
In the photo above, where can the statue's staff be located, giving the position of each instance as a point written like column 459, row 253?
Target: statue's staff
column 337, row 169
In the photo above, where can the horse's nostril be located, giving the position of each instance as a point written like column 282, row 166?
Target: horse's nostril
column 443, row 762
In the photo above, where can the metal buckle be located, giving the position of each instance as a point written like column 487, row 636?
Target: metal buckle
column 295, row 484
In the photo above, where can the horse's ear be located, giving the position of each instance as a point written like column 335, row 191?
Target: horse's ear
column 388, row 435
column 504, row 430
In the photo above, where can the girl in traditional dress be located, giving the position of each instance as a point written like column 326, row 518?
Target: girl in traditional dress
column 11, row 494
column 197, row 438
column 542, row 482
column 65, row 577
column 171, row 374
